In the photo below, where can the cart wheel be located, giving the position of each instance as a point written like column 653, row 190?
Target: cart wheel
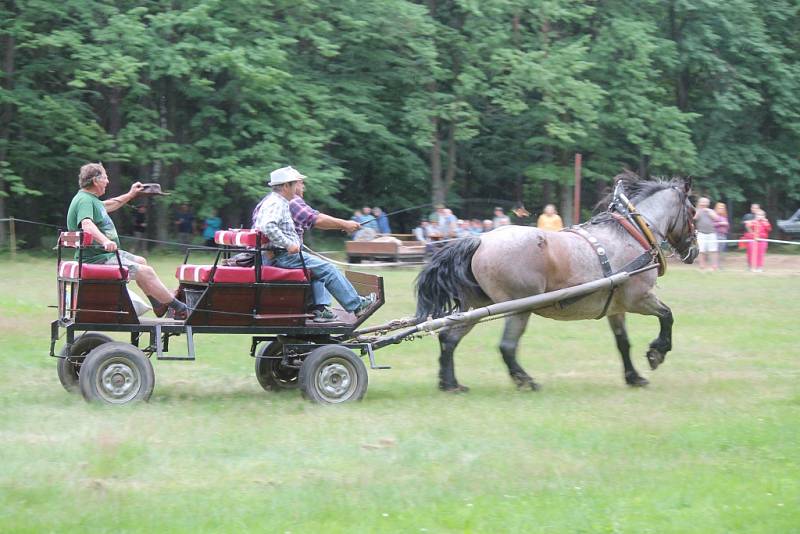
column 69, row 368
column 333, row 374
column 116, row 373
column 271, row 375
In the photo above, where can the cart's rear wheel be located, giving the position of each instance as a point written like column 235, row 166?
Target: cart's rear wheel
column 270, row 373
column 116, row 373
column 69, row 363
column 333, row 374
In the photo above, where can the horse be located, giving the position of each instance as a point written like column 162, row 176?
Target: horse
column 513, row 262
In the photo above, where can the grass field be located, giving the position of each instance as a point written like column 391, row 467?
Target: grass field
column 712, row 445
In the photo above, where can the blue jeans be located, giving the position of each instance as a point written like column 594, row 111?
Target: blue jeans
column 324, row 278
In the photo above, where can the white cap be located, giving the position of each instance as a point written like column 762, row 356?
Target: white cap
column 284, row 175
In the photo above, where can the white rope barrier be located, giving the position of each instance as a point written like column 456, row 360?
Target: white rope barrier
column 758, row 240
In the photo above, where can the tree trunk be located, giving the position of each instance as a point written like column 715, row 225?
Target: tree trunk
column 6, row 116
column 452, row 159
column 114, row 168
column 682, row 81
column 435, row 158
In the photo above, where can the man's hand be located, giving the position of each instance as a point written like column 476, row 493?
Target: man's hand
column 293, row 249
column 136, row 188
column 350, row 226
column 109, row 246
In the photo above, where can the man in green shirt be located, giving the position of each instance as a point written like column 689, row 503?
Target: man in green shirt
column 90, row 214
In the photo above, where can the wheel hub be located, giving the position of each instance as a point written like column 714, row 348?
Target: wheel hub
column 118, row 382
column 335, row 380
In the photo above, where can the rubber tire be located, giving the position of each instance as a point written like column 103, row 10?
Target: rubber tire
column 67, row 370
column 266, row 368
column 321, row 359
column 129, row 357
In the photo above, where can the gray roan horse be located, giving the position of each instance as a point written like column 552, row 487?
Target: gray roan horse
column 514, row 262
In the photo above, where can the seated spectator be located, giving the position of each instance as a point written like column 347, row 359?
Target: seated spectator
column 382, row 220
column 475, row 227
column 500, row 218
column 549, row 220
column 369, row 220
column 422, row 232
column 447, row 223
column 462, row 228
column 488, row 226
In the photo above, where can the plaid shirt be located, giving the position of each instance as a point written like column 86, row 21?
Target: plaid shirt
column 273, row 218
column 303, row 215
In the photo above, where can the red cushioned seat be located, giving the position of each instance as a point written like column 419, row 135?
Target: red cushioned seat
column 237, row 275
column 91, row 271
column 237, row 238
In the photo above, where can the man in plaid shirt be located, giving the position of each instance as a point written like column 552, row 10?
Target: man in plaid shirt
column 284, row 217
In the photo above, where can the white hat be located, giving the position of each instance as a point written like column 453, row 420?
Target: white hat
column 284, row 175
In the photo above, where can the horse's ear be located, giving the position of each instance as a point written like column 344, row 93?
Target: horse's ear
column 687, row 184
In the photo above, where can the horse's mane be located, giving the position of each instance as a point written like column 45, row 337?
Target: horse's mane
column 636, row 188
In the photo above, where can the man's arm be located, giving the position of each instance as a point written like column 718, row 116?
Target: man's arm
column 113, row 204
column 90, row 228
column 326, row 222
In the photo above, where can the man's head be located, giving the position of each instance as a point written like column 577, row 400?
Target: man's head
column 703, row 203
column 366, row 210
column 377, row 212
column 286, row 181
column 754, row 208
column 93, row 178
column 498, row 211
column 550, row 209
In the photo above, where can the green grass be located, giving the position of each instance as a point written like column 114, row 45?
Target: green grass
column 712, row 445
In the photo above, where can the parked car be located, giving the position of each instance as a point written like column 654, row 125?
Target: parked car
column 791, row 225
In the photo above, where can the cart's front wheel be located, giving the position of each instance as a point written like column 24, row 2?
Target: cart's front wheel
column 332, row 374
column 69, row 362
column 270, row 373
column 116, row 373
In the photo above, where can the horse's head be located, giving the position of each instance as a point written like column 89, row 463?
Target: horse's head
column 681, row 233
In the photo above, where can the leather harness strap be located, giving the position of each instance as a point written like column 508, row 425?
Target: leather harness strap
column 625, row 223
column 598, row 248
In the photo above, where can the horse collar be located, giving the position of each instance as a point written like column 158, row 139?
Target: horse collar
column 627, row 212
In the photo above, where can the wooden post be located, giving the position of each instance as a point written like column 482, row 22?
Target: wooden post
column 12, row 233
column 576, row 202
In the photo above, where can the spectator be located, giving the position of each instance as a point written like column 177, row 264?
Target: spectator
column 462, row 228
column 184, row 223
column 704, row 219
column 488, row 226
column 369, row 220
column 500, row 218
column 382, row 220
column 475, row 227
column 750, row 216
column 550, row 220
column 447, row 224
column 759, row 228
column 140, row 229
column 210, row 227
column 422, row 232
column 721, row 226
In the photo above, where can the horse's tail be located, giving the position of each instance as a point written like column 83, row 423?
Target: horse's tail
column 447, row 284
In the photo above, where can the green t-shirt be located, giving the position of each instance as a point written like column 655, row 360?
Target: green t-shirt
column 87, row 206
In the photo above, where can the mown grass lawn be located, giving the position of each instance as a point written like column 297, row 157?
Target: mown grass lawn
column 712, row 445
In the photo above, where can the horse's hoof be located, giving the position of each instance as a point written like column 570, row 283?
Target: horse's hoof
column 458, row 388
column 655, row 358
column 636, row 381
column 525, row 383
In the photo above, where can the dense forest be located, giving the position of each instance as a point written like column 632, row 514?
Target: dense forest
column 397, row 103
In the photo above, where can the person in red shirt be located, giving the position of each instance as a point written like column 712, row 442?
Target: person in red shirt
column 758, row 228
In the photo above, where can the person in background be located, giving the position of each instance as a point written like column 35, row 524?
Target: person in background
column 382, row 220
column 463, row 228
column 488, row 226
column 368, row 219
column 759, row 228
column 447, row 223
column 704, row 219
column 184, row 224
column 550, row 220
column 475, row 227
column 754, row 208
column 422, row 232
column 140, row 229
column 210, row 227
column 721, row 226
column 88, row 213
column 500, row 218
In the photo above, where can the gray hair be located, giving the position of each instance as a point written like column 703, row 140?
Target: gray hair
column 88, row 173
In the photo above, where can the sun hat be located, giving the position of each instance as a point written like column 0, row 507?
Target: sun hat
column 284, row 175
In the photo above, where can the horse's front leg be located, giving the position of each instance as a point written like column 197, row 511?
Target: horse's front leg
column 632, row 377
column 448, row 341
column 515, row 327
column 663, row 343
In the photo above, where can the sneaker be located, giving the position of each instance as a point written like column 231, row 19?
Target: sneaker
column 324, row 315
column 366, row 304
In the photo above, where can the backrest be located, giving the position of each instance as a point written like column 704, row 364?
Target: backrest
column 79, row 239
column 240, row 237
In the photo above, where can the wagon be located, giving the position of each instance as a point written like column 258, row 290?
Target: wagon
column 269, row 304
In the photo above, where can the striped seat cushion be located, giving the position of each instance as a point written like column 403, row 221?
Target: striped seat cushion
column 90, row 271
column 238, row 238
column 237, row 275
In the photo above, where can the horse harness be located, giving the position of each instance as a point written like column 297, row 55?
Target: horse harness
column 622, row 211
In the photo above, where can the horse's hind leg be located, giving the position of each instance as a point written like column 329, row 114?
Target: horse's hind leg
column 448, row 341
column 632, row 377
column 515, row 327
